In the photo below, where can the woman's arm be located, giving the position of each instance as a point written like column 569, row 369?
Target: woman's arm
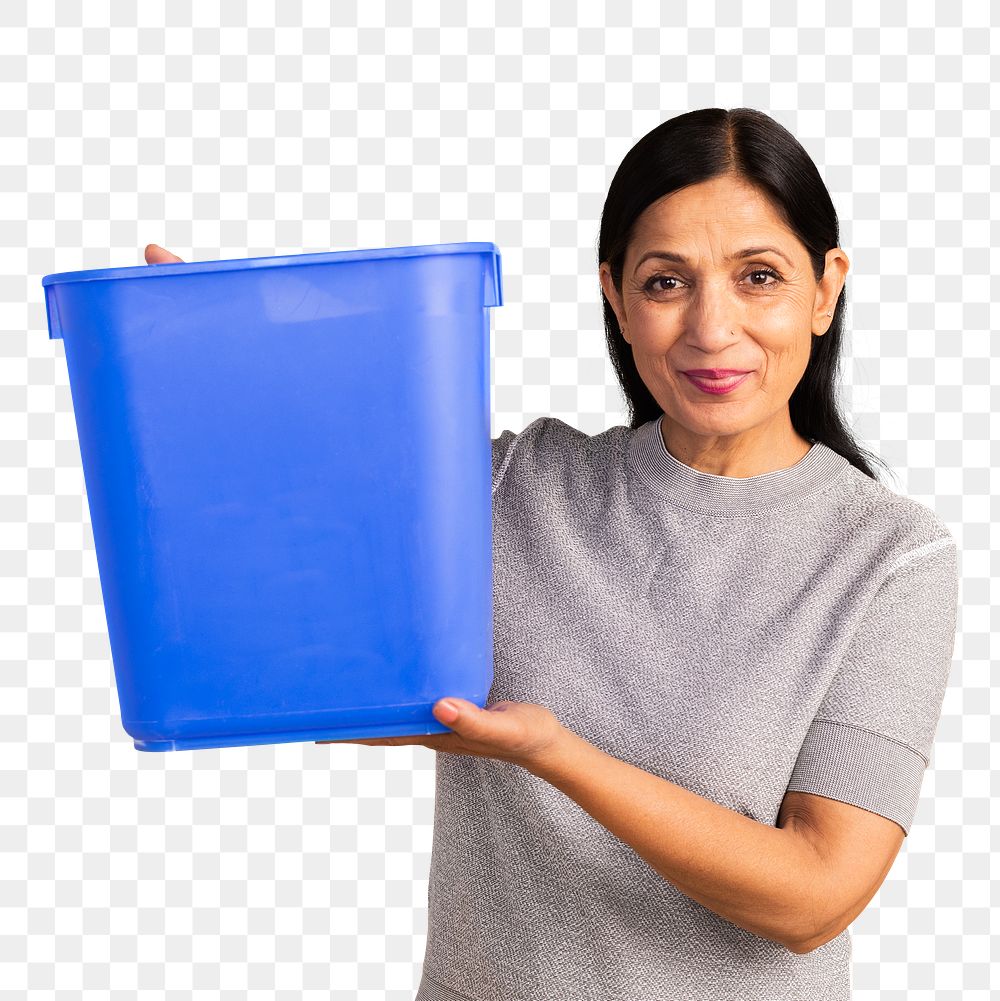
column 776, row 882
column 769, row 880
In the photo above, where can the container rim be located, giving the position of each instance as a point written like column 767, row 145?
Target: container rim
column 282, row 260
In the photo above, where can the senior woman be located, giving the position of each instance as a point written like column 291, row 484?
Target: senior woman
column 721, row 645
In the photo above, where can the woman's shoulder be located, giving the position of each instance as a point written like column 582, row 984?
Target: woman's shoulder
column 903, row 523
column 548, row 433
column 549, row 444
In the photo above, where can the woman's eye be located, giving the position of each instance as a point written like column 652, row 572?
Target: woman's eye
column 659, row 278
column 763, row 271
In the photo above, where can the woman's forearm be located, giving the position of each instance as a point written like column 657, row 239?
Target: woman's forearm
column 764, row 879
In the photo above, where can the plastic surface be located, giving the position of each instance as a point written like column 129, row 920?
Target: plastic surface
column 287, row 463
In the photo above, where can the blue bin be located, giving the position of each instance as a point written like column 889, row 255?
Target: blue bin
column 287, row 462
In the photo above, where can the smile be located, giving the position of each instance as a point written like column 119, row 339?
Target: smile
column 717, row 386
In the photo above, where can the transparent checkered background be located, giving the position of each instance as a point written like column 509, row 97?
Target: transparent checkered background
column 297, row 870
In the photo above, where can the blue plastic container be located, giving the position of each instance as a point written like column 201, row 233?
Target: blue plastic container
column 287, row 462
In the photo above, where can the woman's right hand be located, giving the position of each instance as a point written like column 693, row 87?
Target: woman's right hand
column 155, row 254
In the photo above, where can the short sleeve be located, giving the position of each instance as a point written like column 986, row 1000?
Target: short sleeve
column 502, row 447
column 870, row 741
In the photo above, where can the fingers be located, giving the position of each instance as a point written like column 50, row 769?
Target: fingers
column 416, row 741
column 155, row 254
column 385, row 741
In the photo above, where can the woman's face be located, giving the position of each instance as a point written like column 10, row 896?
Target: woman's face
column 709, row 306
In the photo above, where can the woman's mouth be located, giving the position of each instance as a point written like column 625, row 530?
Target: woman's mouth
column 716, row 381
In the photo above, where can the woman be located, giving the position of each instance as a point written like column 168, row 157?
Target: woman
column 721, row 646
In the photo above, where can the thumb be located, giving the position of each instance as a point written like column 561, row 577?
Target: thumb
column 455, row 712
column 155, row 254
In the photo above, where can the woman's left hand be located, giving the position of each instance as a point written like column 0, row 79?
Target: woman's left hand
column 519, row 732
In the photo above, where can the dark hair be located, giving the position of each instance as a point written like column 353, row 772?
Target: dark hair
column 748, row 144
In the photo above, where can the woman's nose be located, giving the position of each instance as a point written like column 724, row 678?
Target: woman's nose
column 711, row 319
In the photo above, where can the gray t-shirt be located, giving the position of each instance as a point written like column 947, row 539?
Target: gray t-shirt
column 738, row 637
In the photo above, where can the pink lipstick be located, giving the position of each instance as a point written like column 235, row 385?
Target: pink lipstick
column 716, row 380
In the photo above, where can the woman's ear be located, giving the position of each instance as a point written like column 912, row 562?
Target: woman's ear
column 611, row 294
column 829, row 288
